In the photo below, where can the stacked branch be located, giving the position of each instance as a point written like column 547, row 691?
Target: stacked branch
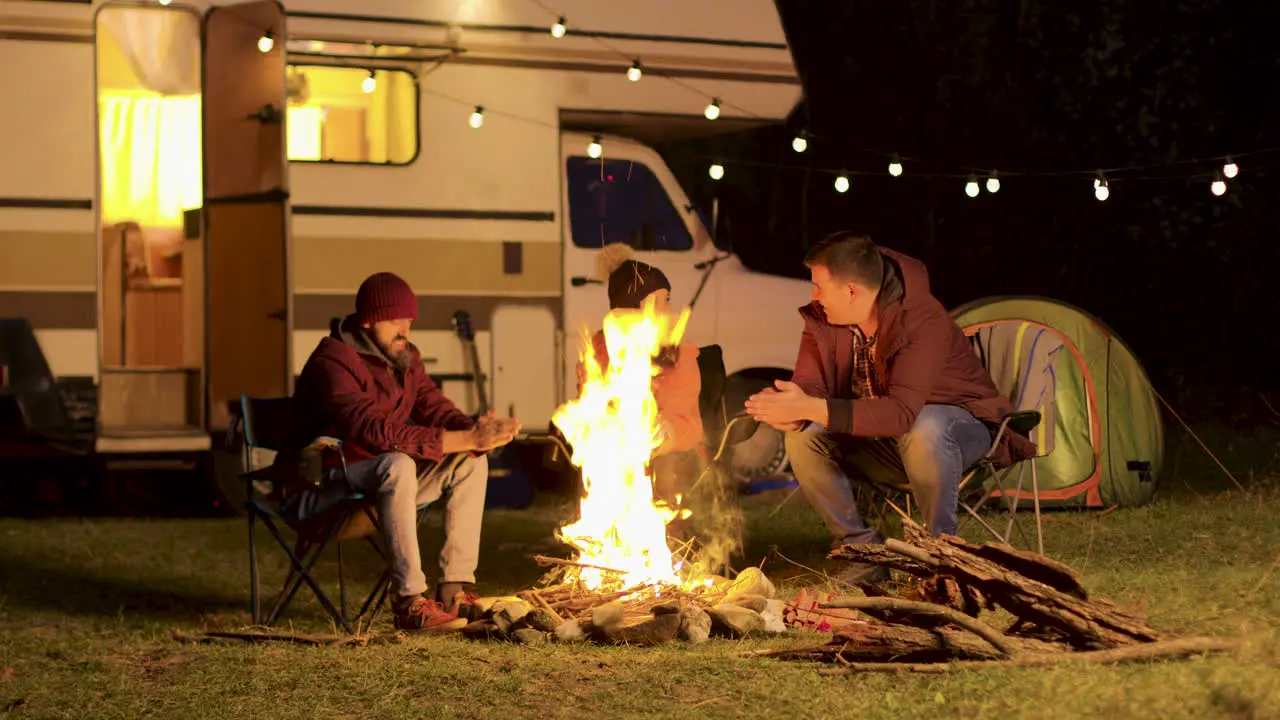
column 1055, row 619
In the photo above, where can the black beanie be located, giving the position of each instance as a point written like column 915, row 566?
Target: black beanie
column 632, row 282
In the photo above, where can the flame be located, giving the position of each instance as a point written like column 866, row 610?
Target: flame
column 613, row 428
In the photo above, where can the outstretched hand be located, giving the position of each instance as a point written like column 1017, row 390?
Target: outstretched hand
column 785, row 406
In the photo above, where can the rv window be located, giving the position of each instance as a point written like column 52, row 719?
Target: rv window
column 622, row 201
column 352, row 115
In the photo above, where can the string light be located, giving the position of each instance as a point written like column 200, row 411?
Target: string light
column 1230, row 169
column 1219, row 186
column 713, row 110
column 842, row 184
column 895, row 166
column 1101, row 189
column 800, row 143
column 477, row 117
column 558, row 28
column 716, row 171
column 993, row 183
column 369, row 84
column 971, row 187
column 633, row 72
column 266, row 42
column 165, row 2
column 594, row 148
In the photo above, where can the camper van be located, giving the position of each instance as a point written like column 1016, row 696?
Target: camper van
column 191, row 192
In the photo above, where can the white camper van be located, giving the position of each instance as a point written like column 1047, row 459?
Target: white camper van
column 189, row 193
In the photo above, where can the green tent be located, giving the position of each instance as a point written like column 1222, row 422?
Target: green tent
column 1101, row 440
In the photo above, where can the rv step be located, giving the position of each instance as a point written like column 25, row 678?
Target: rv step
column 153, row 440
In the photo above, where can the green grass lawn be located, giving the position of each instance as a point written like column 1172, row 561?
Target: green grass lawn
column 87, row 608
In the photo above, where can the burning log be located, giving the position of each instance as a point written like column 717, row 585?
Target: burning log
column 1056, row 620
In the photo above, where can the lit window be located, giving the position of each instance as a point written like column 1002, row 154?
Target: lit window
column 352, row 115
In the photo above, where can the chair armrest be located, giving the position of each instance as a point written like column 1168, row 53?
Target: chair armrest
column 310, row 457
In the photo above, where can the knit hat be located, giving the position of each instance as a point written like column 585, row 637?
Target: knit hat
column 385, row 296
column 629, row 281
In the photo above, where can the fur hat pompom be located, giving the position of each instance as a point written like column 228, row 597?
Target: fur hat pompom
column 610, row 258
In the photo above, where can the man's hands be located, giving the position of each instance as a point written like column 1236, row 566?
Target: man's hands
column 786, row 407
column 491, row 432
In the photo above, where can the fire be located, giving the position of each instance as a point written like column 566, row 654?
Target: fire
column 613, row 428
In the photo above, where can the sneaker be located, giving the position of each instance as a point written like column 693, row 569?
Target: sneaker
column 425, row 614
column 453, row 598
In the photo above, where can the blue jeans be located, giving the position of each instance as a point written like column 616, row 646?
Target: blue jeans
column 930, row 458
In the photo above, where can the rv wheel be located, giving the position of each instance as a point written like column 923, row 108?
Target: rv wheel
column 763, row 453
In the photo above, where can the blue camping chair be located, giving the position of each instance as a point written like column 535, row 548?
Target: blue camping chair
column 264, row 424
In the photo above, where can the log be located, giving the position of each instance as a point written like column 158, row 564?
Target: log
column 881, row 555
column 911, row 609
column 1028, row 564
column 904, row 643
column 1161, row 650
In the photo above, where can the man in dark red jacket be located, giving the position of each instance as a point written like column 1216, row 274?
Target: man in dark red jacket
column 885, row 386
column 404, row 443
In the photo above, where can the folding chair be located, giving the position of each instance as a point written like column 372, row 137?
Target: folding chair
column 265, row 423
column 984, row 474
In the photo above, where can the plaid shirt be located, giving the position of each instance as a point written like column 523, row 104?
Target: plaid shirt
column 865, row 383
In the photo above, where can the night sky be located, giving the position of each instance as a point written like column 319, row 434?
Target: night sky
column 1165, row 88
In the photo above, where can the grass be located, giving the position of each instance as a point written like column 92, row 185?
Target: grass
column 87, row 608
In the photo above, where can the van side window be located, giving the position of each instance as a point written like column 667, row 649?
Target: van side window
column 352, row 115
column 622, row 201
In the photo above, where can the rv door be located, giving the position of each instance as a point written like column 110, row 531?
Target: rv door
column 628, row 195
column 246, row 211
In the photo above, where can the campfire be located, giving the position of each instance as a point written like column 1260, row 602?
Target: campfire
column 627, row 583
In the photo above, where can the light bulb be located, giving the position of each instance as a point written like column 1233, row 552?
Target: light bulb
column 993, row 183
column 895, row 166
column 557, row 29
column 842, row 184
column 266, row 42
column 594, row 148
column 633, row 72
column 1100, row 189
column 799, row 144
column 477, row 117
column 1230, row 169
column 713, row 110
column 1219, row 186
column 971, row 187
column 716, row 171
column 369, row 84
column 165, row 2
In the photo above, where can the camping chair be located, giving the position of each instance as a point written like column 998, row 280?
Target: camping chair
column 983, row 473
column 265, row 423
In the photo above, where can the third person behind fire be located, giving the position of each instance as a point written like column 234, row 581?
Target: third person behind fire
column 677, row 463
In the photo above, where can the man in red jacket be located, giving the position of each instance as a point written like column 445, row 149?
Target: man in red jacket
column 404, row 442
column 886, row 387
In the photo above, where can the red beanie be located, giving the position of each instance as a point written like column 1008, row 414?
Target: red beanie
column 385, row 296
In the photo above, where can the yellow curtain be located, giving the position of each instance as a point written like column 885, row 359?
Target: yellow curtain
column 151, row 157
column 392, row 118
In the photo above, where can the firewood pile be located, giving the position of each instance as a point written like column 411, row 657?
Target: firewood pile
column 938, row 627
column 645, row 615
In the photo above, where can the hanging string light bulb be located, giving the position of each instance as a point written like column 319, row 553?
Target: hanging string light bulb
column 993, row 183
column 895, row 165
column 594, row 148
column 842, row 184
column 716, row 171
column 1101, row 189
column 713, row 110
column 266, row 42
column 1230, row 169
column 558, row 28
column 370, row 83
column 1219, row 186
column 633, row 72
column 971, row 187
column 800, row 143
column 477, row 117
